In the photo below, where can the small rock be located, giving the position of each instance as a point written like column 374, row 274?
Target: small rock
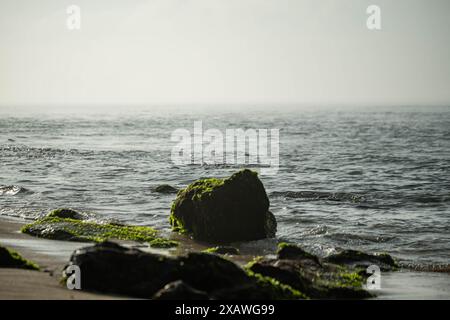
column 165, row 188
column 66, row 213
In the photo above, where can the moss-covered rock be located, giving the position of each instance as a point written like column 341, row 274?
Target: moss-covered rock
column 66, row 213
column 359, row 259
column 86, row 231
column 165, row 188
column 294, row 252
column 306, row 273
column 224, row 210
column 11, row 259
column 223, row 250
column 324, row 282
column 109, row 267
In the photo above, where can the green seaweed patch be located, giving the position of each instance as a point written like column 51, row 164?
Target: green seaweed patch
column 162, row 243
column 77, row 230
column 279, row 291
column 12, row 259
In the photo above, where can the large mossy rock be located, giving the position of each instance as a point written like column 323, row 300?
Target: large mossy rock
column 224, row 210
column 109, row 267
column 11, row 259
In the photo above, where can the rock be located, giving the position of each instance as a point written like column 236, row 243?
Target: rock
column 109, row 267
column 315, row 282
column 294, row 252
column 179, row 290
column 359, row 259
column 223, row 250
column 56, row 228
column 11, row 259
column 165, row 188
column 224, row 210
column 66, row 214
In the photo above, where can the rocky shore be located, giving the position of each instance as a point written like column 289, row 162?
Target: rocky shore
column 219, row 212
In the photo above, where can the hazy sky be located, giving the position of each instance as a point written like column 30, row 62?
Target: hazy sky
column 224, row 52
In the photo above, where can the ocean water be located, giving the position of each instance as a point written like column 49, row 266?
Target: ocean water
column 369, row 179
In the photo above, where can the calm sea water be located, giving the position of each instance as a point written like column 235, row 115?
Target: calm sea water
column 373, row 180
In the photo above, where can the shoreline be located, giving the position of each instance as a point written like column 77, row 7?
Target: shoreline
column 53, row 255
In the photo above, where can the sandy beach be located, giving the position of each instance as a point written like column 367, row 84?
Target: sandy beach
column 52, row 256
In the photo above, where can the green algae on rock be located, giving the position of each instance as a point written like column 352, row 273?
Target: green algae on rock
column 11, row 259
column 197, row 275
column 224, row 210
column 359, row 259
column 66, row 213
column 222, row 250
column 56, row 228
column 308, row 274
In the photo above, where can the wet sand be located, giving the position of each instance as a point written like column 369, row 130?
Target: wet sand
column 52, row 256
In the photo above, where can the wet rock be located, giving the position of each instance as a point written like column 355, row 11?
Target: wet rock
column 224, row 210
column 294, row 252
column 223, row 250
column 315, row 282
column 66, row 213
column 11, row 259
column 165, row 188
column 69, row 229
column 359, row 259
column 109, row 267
column 179, row 290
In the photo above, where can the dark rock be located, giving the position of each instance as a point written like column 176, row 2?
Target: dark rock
column 179, row 290
column 224, row 210
column 109, row 267
column 66, row 214
column 314, row 280
column 294, row 252
column 11, row 259
column 359, row 259
column 165, row 188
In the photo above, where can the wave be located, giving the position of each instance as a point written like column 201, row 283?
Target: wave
column 319, row 195
column 12, row 190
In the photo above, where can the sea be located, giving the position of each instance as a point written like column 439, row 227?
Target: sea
column 375, row 179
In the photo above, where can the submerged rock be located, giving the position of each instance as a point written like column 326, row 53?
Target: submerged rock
column 109, row 267
column 56, row 226
column 11, row 259
column 165, row 188
column 224, row 210
column 359, row 259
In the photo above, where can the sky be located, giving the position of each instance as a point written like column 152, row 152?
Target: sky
column 219, row 52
